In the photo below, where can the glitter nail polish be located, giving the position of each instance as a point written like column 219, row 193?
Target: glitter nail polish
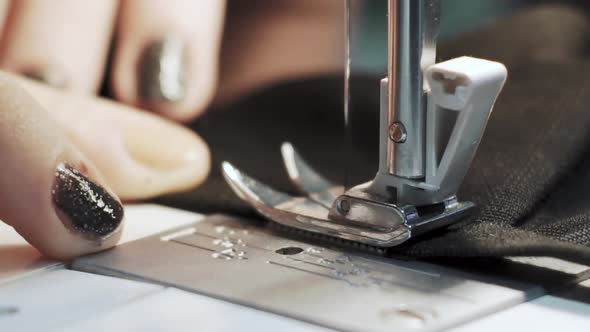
column 85, row 207
column 162, row 71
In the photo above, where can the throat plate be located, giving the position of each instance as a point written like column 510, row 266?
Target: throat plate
column 243, row 262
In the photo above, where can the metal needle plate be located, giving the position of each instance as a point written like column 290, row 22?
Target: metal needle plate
column 242, row 262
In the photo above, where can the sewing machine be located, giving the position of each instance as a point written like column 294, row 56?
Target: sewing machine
column 432, row 118
column 318, row 264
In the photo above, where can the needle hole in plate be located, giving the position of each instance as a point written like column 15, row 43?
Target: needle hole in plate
column 8, row 310
column 289, row 251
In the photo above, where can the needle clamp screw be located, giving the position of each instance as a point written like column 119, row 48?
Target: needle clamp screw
column 397, row 132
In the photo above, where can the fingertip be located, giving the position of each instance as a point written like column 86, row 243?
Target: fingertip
column 175, row 160
column 41, row 42
column 83, row 215
column 169, row 65
column 167, row 76
column 50, row 192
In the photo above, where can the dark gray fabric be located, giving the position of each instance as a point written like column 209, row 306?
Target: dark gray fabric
column 531, row 176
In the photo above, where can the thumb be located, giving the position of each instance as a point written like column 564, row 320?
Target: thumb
column 49, row 191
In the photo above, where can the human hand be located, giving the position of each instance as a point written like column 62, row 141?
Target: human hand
column 165, row 55
column 130, row 154
column 68, row 160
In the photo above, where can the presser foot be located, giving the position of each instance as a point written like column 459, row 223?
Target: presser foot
column 325, row 209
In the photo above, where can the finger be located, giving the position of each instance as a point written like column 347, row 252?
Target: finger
column 140, row 155
column 49, row 191
column 167, row 55
column 61, row 42
column 4, row 10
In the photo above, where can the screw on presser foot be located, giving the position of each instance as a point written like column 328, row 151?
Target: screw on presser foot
column 431, row 122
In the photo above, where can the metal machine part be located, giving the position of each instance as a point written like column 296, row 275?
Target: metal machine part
column 238, row 261
column 432, row 118
column 412, row 33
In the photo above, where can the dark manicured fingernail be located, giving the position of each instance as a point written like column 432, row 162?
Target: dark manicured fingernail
column 85, row 207
column 162, row 71
column 51, row 77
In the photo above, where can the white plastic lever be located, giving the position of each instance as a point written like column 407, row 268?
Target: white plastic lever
column 461, row 97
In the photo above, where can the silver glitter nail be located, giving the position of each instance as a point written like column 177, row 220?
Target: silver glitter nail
column 84, row 207
column 161, row 72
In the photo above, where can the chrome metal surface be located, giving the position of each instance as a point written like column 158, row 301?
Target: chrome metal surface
column 413, row 29
column 367, row 211
column 307, row 180
column 397, row 132
column 354, row 216
column 316, row 284
column 306, row 214
column 348, row 29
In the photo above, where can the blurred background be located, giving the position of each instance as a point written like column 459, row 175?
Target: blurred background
column 370, row 40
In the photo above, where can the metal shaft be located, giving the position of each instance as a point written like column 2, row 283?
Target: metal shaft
column 412, row 30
